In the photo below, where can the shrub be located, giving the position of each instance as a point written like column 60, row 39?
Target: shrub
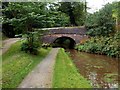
column 101, row 23
column 31, row 44
column 102, row 45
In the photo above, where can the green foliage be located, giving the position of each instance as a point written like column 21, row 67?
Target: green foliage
column 2, row 36
column 116, row 10
column 102, row 45
column 22, row 17
column 55, row 17
column 116, row 14
column 101, row 23
column 75, row 11
column 66, row 74
column 19, row 16
column 32, row 44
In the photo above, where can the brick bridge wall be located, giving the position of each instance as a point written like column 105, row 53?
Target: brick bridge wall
column 78, row 34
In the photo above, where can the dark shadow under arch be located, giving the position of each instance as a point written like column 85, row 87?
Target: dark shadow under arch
column 64, row 42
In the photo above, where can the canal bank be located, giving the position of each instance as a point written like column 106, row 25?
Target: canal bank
column 66, row 74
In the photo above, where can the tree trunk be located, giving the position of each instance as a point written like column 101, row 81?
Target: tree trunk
column 117, row 25
column 72, row 18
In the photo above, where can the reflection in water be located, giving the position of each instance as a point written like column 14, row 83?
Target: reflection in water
column 102, row 71
column 92, row 77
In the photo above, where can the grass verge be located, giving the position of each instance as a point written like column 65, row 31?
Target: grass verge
column 66, row 74
column 0, row 39
column 3, row 37
column 17, row 64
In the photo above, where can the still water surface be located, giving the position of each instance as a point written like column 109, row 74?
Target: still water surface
column 102, row 71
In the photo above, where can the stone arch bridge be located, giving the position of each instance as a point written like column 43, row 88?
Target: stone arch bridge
column 74, row 34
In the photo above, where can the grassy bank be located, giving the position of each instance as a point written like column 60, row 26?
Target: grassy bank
column 0, row 39
column 3, row 37
column 17, row 64
column 66, row 74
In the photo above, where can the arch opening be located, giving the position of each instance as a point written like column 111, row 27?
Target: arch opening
column 64, row 42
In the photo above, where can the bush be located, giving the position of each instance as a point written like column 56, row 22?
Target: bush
column 30, row 48
column 31, row 45
column 101, row 23
column 102, row 45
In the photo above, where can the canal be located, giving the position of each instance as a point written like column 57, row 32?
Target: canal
column 100, row 70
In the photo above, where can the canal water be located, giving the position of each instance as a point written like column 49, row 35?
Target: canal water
column 100, row 70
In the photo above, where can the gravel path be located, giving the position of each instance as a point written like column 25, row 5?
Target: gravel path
column 7, row 43
column 41, row 75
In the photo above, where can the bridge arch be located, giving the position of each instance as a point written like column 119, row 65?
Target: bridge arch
column 75, row 35
column 64, row 42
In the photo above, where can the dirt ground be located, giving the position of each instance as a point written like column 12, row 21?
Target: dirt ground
column 7, row 43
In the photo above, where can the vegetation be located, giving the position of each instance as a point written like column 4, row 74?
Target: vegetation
column 32, row 43
column 0, row 39
column 18, row 16
column 75, row 10
column 66, row 74
column 102, row 45
column 24, row 18
column 101, row 23
column 2, row 36
column 116, row 14
column 101, row 27
column 21, row 17
column 16, row 65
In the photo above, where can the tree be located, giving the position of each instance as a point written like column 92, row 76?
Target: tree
column 7, row 29
column 25, row 15
column 75, row 11
column 102, row 22
column 22, row 17
column 116, row 14
column 55, row 17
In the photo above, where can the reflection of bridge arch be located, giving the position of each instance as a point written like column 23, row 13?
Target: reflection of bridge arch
column 65, row 42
